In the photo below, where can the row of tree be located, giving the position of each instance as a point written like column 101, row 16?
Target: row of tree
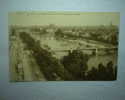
column 102, row 72
column 49, row 66
column 76, row 64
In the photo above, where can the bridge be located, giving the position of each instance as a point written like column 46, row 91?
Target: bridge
column 91, row 50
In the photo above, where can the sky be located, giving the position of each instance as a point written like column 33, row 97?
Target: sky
column 64, row 18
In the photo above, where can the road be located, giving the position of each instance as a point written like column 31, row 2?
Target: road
column 23, row 66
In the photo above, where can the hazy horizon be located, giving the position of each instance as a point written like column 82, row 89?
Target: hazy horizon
column 64, row 18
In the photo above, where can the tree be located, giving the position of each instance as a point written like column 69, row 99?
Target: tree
column 58, row 33
column 76, row 64
column 101, row 72
column 110, row 71
column 92, row 74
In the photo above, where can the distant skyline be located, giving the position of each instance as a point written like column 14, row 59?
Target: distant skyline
column 64, row 18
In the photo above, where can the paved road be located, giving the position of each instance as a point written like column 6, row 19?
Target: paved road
column 23, row 66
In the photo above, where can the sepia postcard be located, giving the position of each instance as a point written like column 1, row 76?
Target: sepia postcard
column 63, row 46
